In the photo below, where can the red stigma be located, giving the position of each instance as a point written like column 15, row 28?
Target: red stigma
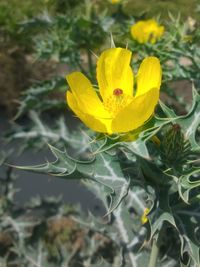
column 117, row 92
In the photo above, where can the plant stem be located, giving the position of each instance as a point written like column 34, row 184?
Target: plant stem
column 154, row 253
column 90, row 63
column 88, row 9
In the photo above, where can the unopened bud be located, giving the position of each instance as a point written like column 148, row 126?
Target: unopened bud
column 173, row 146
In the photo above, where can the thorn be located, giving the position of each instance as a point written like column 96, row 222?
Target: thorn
column 94, row 54
column 112, row 43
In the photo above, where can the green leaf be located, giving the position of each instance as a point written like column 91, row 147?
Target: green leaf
column 188, row 181
column 123, row 224
column 187, row 221
column 111, row 176
column 138, row 148
column 30, row 97
column 161, row 211
column 64, row 166
column 152, row 174
column 169, row 112
column 102, row 168
column 39, row 133
column 191, row 121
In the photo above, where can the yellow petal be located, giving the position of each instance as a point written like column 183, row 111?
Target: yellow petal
column 86, row 96
column 89, row 120
column 161, row 30
column 138, row 32
column 149, row 75
column 115, row 1
column 114, row 71
column 144, row 218
column 136, row 113
column 147, row 31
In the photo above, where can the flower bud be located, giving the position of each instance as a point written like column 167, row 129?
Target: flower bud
column 174, row 147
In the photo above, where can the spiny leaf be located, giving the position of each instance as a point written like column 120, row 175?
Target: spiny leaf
column 191, row 121
column 64, row 166
column 138, row 147
column 102, row 168
column 123, row 224
column 38, row 91
column 161, row 211
column 187, row 221
column 186, row 184
column 111, row 176
column 40, row 133
column 135, row 141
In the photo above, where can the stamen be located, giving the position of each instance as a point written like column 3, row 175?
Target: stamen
column 117, row 101
column 117, row 92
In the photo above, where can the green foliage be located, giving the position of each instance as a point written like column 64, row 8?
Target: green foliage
column 162, row 8
column 41, row 90
column 125, row 166
column 173, row 48
column 11, row 14
column 61, row 37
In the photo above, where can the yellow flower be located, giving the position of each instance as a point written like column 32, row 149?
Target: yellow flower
column 147, row 31
column 115, row 1
column 117, row 107
column 144, row 218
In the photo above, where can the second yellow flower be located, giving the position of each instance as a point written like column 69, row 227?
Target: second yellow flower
column 147, row 31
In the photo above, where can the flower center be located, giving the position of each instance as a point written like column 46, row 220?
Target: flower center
column 117, row 91
column 117, row 101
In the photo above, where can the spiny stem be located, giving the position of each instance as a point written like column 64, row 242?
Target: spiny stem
column 155, row 247
column 132, row 259
column 154, row 253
